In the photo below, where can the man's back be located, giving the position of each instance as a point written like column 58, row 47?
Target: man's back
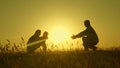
column 91, row 34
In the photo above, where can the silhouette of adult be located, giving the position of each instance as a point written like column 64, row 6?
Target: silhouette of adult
column 33, row 43
column 89, row 36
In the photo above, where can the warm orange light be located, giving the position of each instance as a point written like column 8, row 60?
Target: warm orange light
column 59, row 34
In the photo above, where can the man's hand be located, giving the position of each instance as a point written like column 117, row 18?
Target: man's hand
column 73, row 37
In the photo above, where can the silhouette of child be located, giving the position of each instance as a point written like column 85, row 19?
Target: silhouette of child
column 44, row 38
column 89, row 36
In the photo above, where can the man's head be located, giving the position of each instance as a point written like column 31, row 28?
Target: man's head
column 87, row 23
column 38, row 32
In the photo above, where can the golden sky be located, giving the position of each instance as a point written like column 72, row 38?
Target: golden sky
column 21, row 18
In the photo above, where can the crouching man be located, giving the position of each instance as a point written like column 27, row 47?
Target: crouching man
column 89, row 37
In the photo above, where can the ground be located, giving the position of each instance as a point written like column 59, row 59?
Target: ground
column 61, row 59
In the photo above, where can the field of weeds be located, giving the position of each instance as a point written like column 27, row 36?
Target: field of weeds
column 61, row 59
column 15, row 58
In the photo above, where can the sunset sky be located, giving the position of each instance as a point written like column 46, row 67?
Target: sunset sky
column 21, row 18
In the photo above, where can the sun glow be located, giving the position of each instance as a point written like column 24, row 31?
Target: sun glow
column 59, row 34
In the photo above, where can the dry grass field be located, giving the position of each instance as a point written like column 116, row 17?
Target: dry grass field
column 58, row 59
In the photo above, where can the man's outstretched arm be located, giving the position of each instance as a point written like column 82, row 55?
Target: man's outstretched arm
column 81, row 34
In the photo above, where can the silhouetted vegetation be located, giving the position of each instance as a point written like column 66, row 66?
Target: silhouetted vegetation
column 15, row 56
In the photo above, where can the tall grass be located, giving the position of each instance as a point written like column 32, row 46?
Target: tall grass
column 15, row 56
column 13, row 47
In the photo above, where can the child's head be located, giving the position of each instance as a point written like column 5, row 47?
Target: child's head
column 45, row 34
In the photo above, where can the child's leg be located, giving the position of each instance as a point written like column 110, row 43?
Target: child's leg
column 44, row 47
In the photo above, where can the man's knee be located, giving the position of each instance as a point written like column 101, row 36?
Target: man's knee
column 84, row 39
